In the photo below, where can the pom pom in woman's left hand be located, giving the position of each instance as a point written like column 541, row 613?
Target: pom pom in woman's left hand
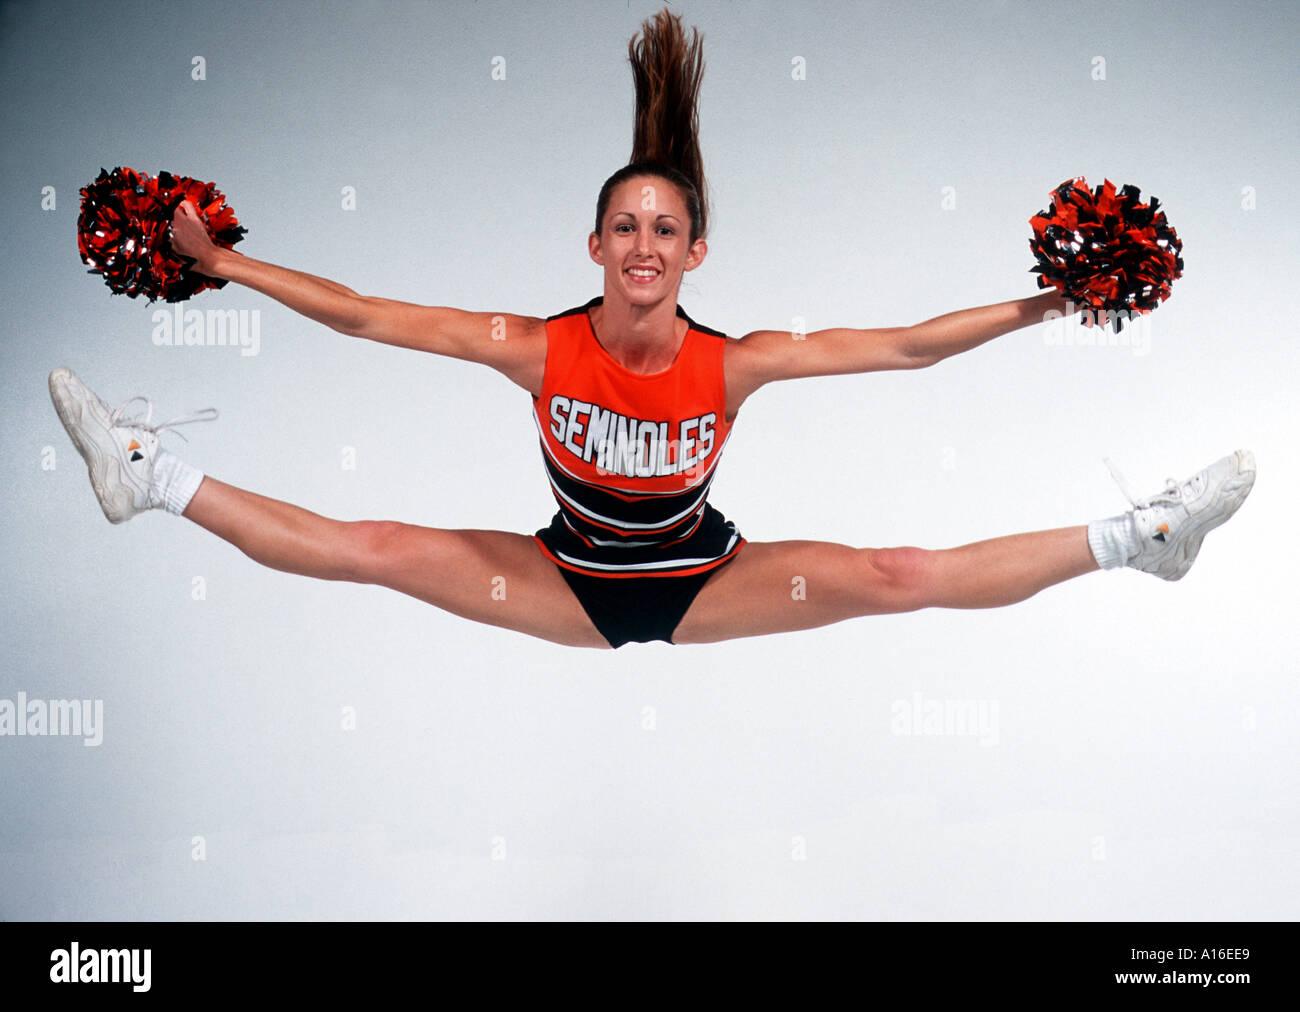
column 122, row 232
column 1109, row 253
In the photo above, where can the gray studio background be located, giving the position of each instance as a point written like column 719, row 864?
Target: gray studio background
column 1138, row 758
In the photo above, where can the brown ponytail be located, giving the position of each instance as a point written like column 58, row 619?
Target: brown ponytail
column 667, row 71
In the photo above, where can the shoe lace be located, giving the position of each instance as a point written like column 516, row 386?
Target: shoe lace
column 1169, row 494
column 118, row 417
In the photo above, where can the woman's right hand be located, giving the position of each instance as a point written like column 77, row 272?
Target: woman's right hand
column 189, row 238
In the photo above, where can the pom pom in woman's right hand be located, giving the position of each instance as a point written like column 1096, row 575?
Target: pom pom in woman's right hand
column 122, row 232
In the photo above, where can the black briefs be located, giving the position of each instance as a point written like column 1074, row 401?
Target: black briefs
column 636, row 609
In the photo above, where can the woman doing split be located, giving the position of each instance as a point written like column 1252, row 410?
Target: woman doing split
column 633, row 402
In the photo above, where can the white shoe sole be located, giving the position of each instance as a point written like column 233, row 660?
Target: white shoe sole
column 1228, row 496
column 107, row 477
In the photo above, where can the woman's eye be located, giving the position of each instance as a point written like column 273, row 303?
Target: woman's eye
column 665, row 229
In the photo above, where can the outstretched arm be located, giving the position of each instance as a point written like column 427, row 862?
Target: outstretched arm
column 513, row 345
column 934, row 340
column 769, row 355
column 327, row 302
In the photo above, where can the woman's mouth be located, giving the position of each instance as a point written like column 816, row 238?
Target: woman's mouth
column 642, row 275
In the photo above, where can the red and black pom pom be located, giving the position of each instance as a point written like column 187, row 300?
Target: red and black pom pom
column 1106, row 251
column 122, row 232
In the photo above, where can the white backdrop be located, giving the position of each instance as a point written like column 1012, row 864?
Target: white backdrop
column 1136, row 756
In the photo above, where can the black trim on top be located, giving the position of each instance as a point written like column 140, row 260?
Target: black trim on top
column 600, row 299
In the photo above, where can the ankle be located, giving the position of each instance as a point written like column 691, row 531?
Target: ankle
column 173, row 482
column 1114, row 540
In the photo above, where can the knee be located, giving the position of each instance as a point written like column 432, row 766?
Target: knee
column 370, row 548
column 905, row 574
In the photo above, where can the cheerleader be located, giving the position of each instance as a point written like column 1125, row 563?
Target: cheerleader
column 633, row 402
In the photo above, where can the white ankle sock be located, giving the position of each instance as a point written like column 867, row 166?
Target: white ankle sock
column 1114, row 540
column 174, row 481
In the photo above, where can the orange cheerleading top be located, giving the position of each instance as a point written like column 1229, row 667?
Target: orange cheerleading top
column 631, row 456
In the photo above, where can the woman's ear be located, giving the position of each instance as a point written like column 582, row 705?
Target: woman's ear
column 593, row 248
column 696, row 254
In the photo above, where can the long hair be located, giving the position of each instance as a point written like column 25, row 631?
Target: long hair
column 667, row 71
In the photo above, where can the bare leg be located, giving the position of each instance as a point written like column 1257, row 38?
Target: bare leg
column 274, row 533
column 782, row 586
column 769, row 587
column 1001, row 571
column 494, row 577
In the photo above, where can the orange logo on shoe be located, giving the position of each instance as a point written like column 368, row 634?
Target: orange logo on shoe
column 134, row 445
column 1162, row 530
column 134, row 449
column 1163, row 527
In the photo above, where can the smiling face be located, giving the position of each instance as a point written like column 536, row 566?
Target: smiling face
column 645, row 241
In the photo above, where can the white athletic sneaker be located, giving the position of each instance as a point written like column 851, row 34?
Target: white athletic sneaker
column 118, row 451
column 1172, row 523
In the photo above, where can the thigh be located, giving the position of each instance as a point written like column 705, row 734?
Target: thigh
column 495, row 577
column 785, row 586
